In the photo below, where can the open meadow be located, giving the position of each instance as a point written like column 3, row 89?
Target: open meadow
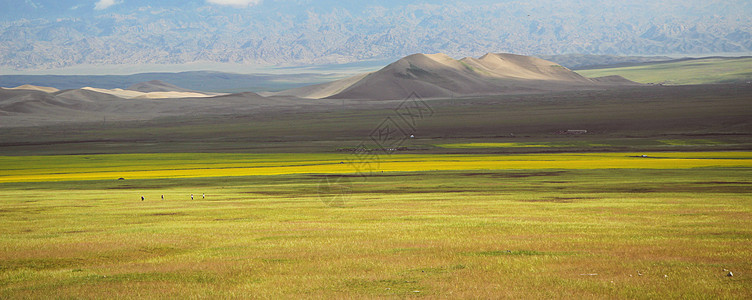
column 596, row 225
column 687, row 71
column 489, row 199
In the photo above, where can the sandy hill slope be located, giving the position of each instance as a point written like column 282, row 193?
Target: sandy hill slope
column 28, row 107
column 146, row 90
column 131, row 94
column 45, row 89
column 438, row 75
column 26, row 101
column 522, row 67
column 59, row 104
column 245, row 95
column 157, row 86
column 322, row 90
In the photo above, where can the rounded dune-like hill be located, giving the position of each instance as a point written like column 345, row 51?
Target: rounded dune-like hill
column 505, row 65
column 30, row 87
column 157, row 86
column 441, row 76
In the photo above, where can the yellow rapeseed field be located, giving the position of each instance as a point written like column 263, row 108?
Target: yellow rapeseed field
column 190, row 165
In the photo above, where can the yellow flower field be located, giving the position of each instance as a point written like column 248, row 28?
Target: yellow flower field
column 188, row 165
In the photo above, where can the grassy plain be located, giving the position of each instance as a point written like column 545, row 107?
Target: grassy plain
column 527, row 231
column 693, row 71
column 197, row 165
column 487, row 201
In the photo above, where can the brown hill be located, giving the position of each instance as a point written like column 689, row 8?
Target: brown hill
column 157, row 86
column 84, row 95
column 61, row 105
column 45, row 89
column 438, row 75
column 26, row 107
column 26, row 101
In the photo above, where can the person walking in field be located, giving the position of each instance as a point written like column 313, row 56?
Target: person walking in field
column 191, row 196
column 162, row 197
column 142, row 198
column 203, row 196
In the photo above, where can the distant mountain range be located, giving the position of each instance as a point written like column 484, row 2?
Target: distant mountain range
column 42, row 34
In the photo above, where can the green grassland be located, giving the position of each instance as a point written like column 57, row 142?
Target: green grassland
column 197, row 165
column 694, row 71
column 540, row 233
column 489, row 200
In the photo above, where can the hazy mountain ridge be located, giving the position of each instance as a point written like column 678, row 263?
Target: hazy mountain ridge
column 277, row 32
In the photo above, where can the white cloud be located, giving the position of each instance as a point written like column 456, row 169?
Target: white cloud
column 235, row 3
column 105, row 4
